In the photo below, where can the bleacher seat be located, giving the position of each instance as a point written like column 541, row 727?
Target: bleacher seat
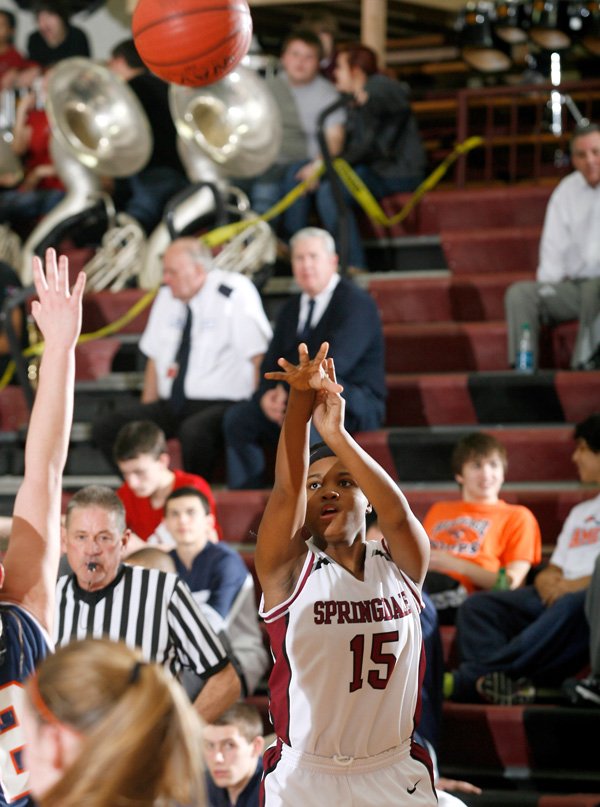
column 494, row 250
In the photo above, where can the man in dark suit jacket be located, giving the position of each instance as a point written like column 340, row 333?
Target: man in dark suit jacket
column 329, row 308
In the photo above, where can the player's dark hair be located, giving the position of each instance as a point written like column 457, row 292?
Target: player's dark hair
column 139, row 437
column 319, row 451
column 589, row 430
column 245, row 717
column 127, row 51
column 140, row 734
column 308, row 37
column 475, row 446
column 187, row 490
column 98, row 496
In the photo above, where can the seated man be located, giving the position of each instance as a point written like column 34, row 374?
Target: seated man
column 539, row 631
column 475, row 537
column 567, row 284
column 301, row 95
column 219, row 581
column 329, row 308
column 233, row 746
column 141, row 453
column 148, row 609
column 204, row 342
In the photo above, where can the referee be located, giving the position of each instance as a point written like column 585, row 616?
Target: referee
column 145, row 608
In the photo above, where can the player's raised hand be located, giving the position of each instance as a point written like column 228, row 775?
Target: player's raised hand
column 57, row 311
column 329, row 406
column 308, row 374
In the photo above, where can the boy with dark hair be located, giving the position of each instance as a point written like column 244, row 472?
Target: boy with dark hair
column 55, row 38
column 145, row 194
column 233, row 745
column 140, row 451
column 219, row 581
column 539, row 631
column 474, row 537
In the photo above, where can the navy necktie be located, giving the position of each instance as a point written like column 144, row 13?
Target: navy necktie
column 182, row 356
column 307, row 327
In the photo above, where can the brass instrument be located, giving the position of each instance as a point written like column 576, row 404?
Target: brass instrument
column 231, row 128
column 99, row 128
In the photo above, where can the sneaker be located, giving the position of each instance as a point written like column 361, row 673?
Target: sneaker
column 499, row 689
column 582, row 691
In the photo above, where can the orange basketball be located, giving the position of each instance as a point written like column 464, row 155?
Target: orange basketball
column 192, row 42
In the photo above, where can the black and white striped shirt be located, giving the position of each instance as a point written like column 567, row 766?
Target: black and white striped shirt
column 145, row 608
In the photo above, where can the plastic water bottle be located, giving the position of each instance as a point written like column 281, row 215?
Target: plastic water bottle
column 524, row 361
column 502, row 582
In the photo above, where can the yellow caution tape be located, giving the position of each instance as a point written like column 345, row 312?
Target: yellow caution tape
column 220, row 235
column 106, row 330
column 356, row 188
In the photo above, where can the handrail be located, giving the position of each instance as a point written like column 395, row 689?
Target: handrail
column 513, row 133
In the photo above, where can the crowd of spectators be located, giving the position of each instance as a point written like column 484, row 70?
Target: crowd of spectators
column 191, row 606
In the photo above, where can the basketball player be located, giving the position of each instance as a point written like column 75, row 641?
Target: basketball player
column 31, row 561
column 342, row 615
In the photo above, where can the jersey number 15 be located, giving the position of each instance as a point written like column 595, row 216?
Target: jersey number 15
column 376, row 678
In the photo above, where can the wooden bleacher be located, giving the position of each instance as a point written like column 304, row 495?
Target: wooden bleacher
column 447, row 374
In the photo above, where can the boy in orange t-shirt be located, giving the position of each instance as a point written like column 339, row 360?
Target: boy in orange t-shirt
column 474, row 537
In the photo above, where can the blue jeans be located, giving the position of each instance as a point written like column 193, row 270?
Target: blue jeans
column 23, row 207
column 150, row 191
column 515, row 633
column 329, row 213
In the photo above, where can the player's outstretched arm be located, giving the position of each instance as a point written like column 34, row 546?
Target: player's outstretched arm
column 34, row 548
column 280, row 544
column 405, row 535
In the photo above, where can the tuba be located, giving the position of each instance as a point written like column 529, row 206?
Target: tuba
column 99, row 128
column 231, row 128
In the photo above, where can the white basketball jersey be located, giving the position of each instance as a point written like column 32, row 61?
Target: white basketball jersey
column 348, row 658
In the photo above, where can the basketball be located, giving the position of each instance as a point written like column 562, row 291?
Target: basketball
column 192, row 42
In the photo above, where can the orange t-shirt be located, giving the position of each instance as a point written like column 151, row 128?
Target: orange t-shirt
column 490, row 535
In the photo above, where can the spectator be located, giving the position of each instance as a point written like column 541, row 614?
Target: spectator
column 218, row 580
column 567, row 284
column 325, row 25
column 145, row 194
column 301, row 95
column 55, row 38
column 538, row 631
column 145, row 608
column 216, row 320
column 328, row 308
column 382, row 141
column 141, row 453
column 41, row 188
column 28, row 571
column 233, row 746
column 105, row 727
column 11, row 61
column 473, row 538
